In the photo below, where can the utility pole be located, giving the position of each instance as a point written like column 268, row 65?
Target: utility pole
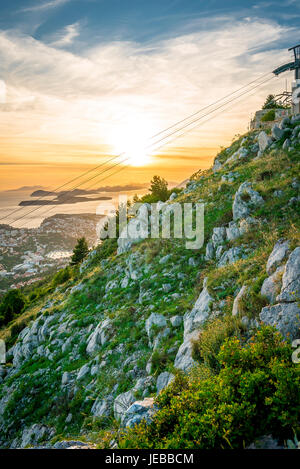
column 295, row 65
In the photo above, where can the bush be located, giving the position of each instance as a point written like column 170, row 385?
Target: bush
column 207, row 347
column 269, row 116
column 62, row 276
column 13, row 304
column 256, row 393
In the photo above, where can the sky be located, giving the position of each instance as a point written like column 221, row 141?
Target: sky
column 84, row 80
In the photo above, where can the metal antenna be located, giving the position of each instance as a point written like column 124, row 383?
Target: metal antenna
column 295, row 65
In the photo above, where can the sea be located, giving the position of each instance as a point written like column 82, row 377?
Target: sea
column 32, row 216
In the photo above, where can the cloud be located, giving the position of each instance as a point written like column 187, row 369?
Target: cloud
column 66, row 36
column 45, row 6
column 120, row 90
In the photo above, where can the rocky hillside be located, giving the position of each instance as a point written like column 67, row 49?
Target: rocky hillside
column 88, row 357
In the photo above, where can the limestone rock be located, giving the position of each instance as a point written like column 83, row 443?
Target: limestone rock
column 277, row 256
column 122, row 403
column 99, row 337
column 277, row 133
column 291, row 278
column 263, row 141
column 209, row 253
column 163, row 380
column 176, row 321
column 236, row 309
column 35, row 434
column 218, row 236
column 232, row 232
column 102, row 407
column 138, row 411
column 245, row 200
column 200, row 312
column 183, row 360
column 271, row 285
column 155, row 320
column 231, row 256
column 83, row 372
column 283, row 316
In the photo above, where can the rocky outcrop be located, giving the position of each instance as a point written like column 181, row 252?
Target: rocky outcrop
column 272, row 285
column 245, row 200
column 122, row 403
column 163, row 380
column 283, row 316
column 291, row 279
column 184, row 360
column 277, row 256
column 99, row 337
column 200, row 312
column 139, row 411
column 236, row 308
column 264, row 141
column 102, row 407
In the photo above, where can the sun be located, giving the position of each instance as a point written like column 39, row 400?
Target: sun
column 133, row 141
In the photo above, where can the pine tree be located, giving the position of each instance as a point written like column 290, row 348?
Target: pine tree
column 80, row 251
column 159, row 188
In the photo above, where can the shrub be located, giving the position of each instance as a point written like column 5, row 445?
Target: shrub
column 62, row 276
column 269, row 116
column 256, row 393
column 206, row 348
column 13, row 304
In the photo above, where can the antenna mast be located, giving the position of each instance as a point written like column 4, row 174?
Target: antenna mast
column 295, row 65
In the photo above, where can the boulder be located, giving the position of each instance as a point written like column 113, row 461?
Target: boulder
column 277, row 132
column 231, row 256
column 245, row 200
column 277, row 256
column 66, row 378
column 283, row 316
column 139, row 411
column 236, row 308
column 102, row 407
column 209, row 253
column 218, row 236
column 35, row 434
column 99, row 337
column 217, row 165
column 122, row 403
column 263, row 141
column 176, row 321
column 155, row 320
column 83, row 372
column 286, row 144
column 232, row 232
column 200, row 312
column 183, row 360
column 290, row 290
column 271, row 285
column 163, row 380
